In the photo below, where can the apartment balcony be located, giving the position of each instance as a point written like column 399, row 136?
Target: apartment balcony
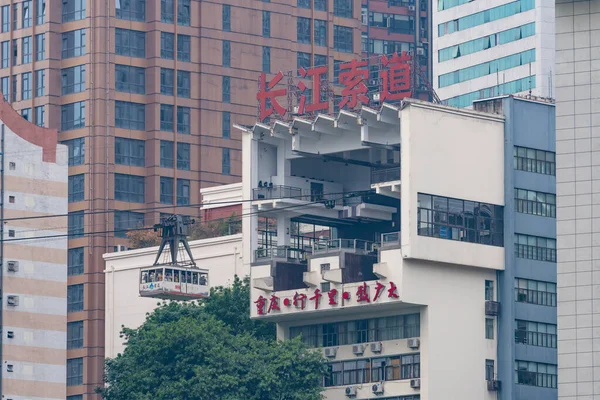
column 271, row 192
column 280, row 253
column 386, row 181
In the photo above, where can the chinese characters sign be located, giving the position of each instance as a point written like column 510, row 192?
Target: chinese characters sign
column 362, row 295
column 394, row 84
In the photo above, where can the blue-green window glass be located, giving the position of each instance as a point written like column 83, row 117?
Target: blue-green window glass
column 446, row 4
column 482, row 17
column 487, row 68
column 486, row 42
column 465, row 100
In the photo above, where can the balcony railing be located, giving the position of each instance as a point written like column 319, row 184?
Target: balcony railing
column 390, row 239
column 385, row 175
column 353, row 245
column 281, row 252
column 276, row 192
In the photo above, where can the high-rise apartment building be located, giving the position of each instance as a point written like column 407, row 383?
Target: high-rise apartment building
column 578, row 190
column 144, row 94
column 490, row 48
column 33, row 280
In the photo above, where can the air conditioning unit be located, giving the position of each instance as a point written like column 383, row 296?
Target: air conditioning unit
column 376, row 347
column 351, row 391
column 358, row 349
column 9, row 368
column 12, row 300
column 492, row 308
column 493, row 385
column 376, row 97
column 414, row 343
column 420, row 51
column 121, row 248
column 415, row 383
column 377, row 388
column 412, row 8
column 330, row 352
column 12, row 266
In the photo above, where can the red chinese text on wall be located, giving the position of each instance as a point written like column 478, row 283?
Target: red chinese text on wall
column 395, row 86
column 265, row 306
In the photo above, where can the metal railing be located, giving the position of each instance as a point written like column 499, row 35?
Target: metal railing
column 355, row 245
column 536, row 338
column 281, row 252
column 276, row 192
column 390, row 239
column 385, row 175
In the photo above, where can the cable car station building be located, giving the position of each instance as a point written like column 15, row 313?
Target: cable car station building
column 413, row 244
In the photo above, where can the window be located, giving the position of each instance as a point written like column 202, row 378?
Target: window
column 489, row 370
column 226, row 124
column 226, row 17
column 392, row 368
column 532, row 160
column 5, row 54
column 183, row 47
column 167, row 44
column 130, row 43
column 131, row 10
column 72, row 116
column 40, row 12
column 487, row 68
column 321, row 5
column 167, row 11
column 130, row 152
column 183, row 12
column 303, row 60
column 39, row 115
column 26, row 11
column 14, row 87
column 26, row 50
column 516, row 86
column 167, row 81
column 266, row 59
column 166, row 190
column 489, row 290
column 74, row 298
column 342, row 39
column 536, row 203
column 5, row 18
column 536, row 334
column 166, row 117
column 40, row 47
column 75, row 335
column 76, row 151
column 73, row 43
column 320, row 33
column 266, row 24
column 75, row 370
column 26, row 114
column 26, row 86
column 535, row 374
column 320, row 60
column 486, row 42
column 304, row 3
column 130, row 115
column 127, row 220
column 15, row 52
column 342, row 8
column 225, row 162
column 73, row 10
column 15, row 16
column 73, row 79
column 129, row 188
column 359, row 331
column 75, row 261
column 183, row 192
column 462, row 220
column 535, row 248
column 183, row 84
column 303, row 30
column 76, row 188
column 80, row 397
column 183, row 120
column 226, row 53
column 130, row 79
column 183, row 156
column 483, row 17
column 535, row 292
column 166, row 154
column 5, row 83
column 489, row 328
column 226, row 90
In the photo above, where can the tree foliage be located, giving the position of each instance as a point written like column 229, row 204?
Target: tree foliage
column 200, row 230
column 211, row 350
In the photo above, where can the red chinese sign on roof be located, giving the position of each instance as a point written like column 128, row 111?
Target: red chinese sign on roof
column 394, row 84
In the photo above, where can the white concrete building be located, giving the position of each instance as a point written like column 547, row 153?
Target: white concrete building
column 488, row 48
column 386, row 238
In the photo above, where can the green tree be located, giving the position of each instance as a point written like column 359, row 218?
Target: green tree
column 211, row 350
